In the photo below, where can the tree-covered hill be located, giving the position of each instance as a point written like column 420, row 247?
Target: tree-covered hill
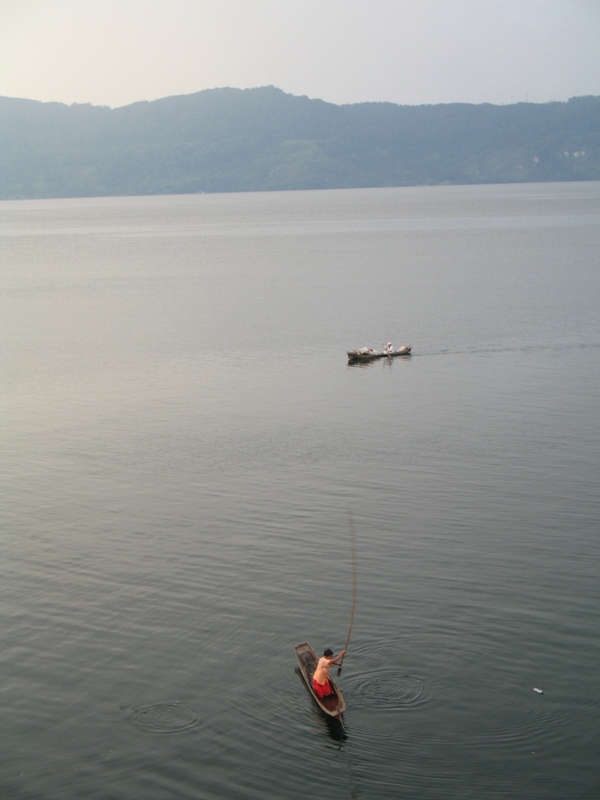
column 224, row 140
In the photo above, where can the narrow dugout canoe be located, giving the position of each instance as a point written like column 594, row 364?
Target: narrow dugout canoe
column 334, row 705
column 366, row 354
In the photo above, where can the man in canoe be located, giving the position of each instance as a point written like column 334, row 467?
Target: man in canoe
column 320, row 679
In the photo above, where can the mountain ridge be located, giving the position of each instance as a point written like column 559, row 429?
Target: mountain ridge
column 227, row 139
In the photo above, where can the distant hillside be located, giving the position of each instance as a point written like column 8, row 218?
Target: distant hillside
column 232, row 140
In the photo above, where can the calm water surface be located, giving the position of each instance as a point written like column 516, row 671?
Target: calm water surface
column 182, row 437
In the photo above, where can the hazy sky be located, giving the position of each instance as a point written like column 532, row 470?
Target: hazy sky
column 115, row 52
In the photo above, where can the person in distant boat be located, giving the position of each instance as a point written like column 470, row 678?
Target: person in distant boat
column 387, row 348
column 320, row 680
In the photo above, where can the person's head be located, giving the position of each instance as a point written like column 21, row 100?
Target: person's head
column 328, row 653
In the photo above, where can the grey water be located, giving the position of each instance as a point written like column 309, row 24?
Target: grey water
column 182, row 438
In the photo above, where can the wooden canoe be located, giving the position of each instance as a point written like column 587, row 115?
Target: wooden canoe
column 366, row 354
column 334, row 705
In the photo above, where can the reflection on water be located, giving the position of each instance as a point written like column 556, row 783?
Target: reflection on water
column 385, row 363
column 335, row 727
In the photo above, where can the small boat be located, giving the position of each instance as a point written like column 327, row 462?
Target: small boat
column 332, row 706
column 368, row 354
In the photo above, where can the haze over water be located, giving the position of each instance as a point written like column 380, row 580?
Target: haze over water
column 182, row 437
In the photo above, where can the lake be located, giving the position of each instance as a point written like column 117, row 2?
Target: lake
column 183, row 439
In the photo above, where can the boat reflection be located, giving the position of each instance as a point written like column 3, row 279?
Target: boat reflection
column 333, row 726
column 386, row 362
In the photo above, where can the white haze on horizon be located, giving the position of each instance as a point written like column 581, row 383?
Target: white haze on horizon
column 341, row 51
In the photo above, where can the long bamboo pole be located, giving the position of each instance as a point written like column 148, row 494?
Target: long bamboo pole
column 353, row 547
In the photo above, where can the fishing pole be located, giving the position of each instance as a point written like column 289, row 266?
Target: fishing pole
column 353, row 547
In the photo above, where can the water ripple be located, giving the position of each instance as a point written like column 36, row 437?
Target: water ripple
column 390, row 690
column 164, row 718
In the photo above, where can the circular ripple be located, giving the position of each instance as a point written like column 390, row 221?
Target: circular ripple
column 165, row 718
column 391, row 691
